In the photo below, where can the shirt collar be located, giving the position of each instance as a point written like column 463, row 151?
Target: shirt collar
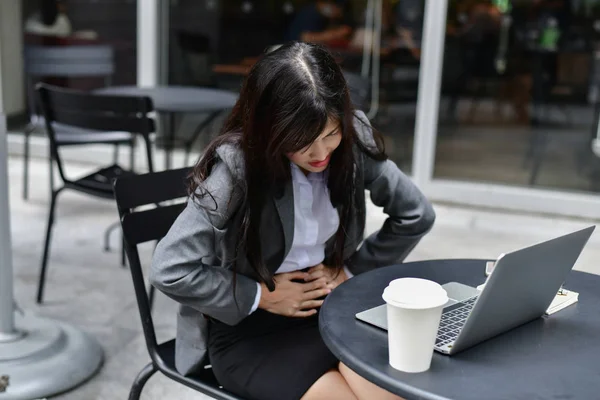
column 299, row 176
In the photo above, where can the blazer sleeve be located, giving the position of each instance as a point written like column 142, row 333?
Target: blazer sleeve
column 410, row 214
column 182, row 265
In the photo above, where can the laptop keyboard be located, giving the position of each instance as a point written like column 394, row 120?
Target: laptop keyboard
column 453, row 319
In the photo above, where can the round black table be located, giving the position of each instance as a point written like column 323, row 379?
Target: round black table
column 171, row 100
column 555, row 357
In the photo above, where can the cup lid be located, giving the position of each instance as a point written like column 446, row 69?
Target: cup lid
column 415, row 293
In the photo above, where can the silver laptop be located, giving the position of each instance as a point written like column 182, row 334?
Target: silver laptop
column 519, row 290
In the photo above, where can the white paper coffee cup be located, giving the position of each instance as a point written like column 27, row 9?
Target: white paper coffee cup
column 414, row 309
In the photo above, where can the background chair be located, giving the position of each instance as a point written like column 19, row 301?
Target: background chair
column 145, row 226
column 81, row 61
column 100, row 116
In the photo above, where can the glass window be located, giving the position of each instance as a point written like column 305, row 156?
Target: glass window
column 68, row 23
column 100, row 34
column 519, row 93
column 215, row 42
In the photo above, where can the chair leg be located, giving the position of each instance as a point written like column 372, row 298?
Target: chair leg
column 116, row 225
column 149, row 158
column 123, row 256
column 107, row 233
column 538, row 156
column 140, row 381
column 42, row 280
column 116, row 154
column 186, row 159
column 132, row 155
column 530, row 149
column 26, row 135
column 151, row 289
column 51, row 173
column 534, row 139
column 169, row 135
column 109, row 230
column 151, row 297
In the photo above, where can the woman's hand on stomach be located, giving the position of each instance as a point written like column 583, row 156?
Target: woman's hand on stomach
column 333, row 276
column 292, row 298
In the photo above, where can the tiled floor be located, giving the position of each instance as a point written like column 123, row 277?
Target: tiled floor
column 88, row 288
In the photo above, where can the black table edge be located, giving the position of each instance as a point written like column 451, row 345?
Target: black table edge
column 405, row 389
column 377, row 377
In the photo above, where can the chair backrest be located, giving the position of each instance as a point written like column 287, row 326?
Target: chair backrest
column 99, row 113
column 87, row 61
column 147, row 225
column 359, row 88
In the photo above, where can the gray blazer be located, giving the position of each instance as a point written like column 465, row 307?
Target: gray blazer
column 193, row 263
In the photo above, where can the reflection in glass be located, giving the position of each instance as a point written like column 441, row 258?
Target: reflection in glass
column 519, row 93
column 217, row 45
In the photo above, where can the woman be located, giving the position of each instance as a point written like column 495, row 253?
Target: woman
column 276, row 214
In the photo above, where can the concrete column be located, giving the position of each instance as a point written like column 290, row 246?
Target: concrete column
column 11, row 58
column 40, row 357
column 7, row 323
column 11, row 101
column 428, row 99
column 148, row 42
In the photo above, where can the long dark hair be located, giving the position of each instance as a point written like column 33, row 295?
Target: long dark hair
column 284, row 106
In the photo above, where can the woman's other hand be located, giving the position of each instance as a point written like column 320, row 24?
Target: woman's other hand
column 333, row 276
column 292, row 298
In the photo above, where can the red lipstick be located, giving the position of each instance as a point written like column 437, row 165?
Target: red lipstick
column 320, row 164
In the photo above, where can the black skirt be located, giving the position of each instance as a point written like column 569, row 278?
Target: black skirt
column 269, row 356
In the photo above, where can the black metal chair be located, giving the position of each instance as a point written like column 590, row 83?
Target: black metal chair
column 98, row 115
column 144, row 226
column 89, row 61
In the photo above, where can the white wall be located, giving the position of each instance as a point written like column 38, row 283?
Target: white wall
column 12, row 93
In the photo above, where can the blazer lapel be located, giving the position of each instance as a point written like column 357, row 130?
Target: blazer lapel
column 284, row 202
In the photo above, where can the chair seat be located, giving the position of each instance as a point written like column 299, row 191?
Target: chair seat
column 66, row 139
column 204, row 381
column 100, row 182
column 68, row 135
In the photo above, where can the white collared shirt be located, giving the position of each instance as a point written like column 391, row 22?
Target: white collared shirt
column 315, row 222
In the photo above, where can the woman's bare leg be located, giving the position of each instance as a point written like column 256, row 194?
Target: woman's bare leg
column 362, row 388
column 331, row 386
